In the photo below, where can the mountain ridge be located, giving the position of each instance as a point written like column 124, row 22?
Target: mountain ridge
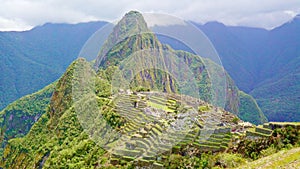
column 33, row 59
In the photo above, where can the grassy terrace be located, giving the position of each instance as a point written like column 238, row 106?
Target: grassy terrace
column 168, row 105
column 273, row 125
column 159, row 106
column 266, row 129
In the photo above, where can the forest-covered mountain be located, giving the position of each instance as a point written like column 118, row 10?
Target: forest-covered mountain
column 18, row 117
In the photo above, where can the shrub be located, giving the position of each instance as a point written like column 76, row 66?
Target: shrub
column 269, row 151
column 227, row 160
column 235, row 120
column 285, row 137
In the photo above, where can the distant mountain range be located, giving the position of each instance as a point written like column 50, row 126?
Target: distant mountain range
column 263, row 63
column 30, row 60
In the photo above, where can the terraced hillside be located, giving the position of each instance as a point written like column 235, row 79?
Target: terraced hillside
column 152, row 129
column 267, row 129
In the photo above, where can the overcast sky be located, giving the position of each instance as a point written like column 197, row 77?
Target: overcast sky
column 25, row 14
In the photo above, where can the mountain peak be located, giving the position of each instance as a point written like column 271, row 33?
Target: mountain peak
column 133, row 14
column 214, row 23
column 130, row 25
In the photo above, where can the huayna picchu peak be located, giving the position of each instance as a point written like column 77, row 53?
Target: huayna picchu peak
column 132, row 24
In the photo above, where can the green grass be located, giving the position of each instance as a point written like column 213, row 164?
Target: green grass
column 159, row 106
column 282, row 159
column 257, row 134
column 263, row 130
column 285, row 123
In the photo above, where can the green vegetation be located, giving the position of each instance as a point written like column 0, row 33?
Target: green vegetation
column 56, row 140
column 282, row 137
column 281, row 159
column 18, row 117
column 278, row 97
column 227, row 160
column 249, row 110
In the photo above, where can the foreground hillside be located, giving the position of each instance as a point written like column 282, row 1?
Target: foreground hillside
column 282, row 159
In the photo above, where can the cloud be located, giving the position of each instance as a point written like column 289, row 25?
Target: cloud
column 23, row 14
column 291, row 13
column 10, row 24
column 162, row 20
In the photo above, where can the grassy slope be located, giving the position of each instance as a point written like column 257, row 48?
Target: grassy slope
column 282, row 159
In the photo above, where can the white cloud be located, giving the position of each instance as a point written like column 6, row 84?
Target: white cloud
column 162, row 20
column 10, row 24
column 22, row 14
column 291, row 13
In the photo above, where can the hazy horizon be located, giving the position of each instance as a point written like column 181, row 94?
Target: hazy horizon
column 21, row 15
